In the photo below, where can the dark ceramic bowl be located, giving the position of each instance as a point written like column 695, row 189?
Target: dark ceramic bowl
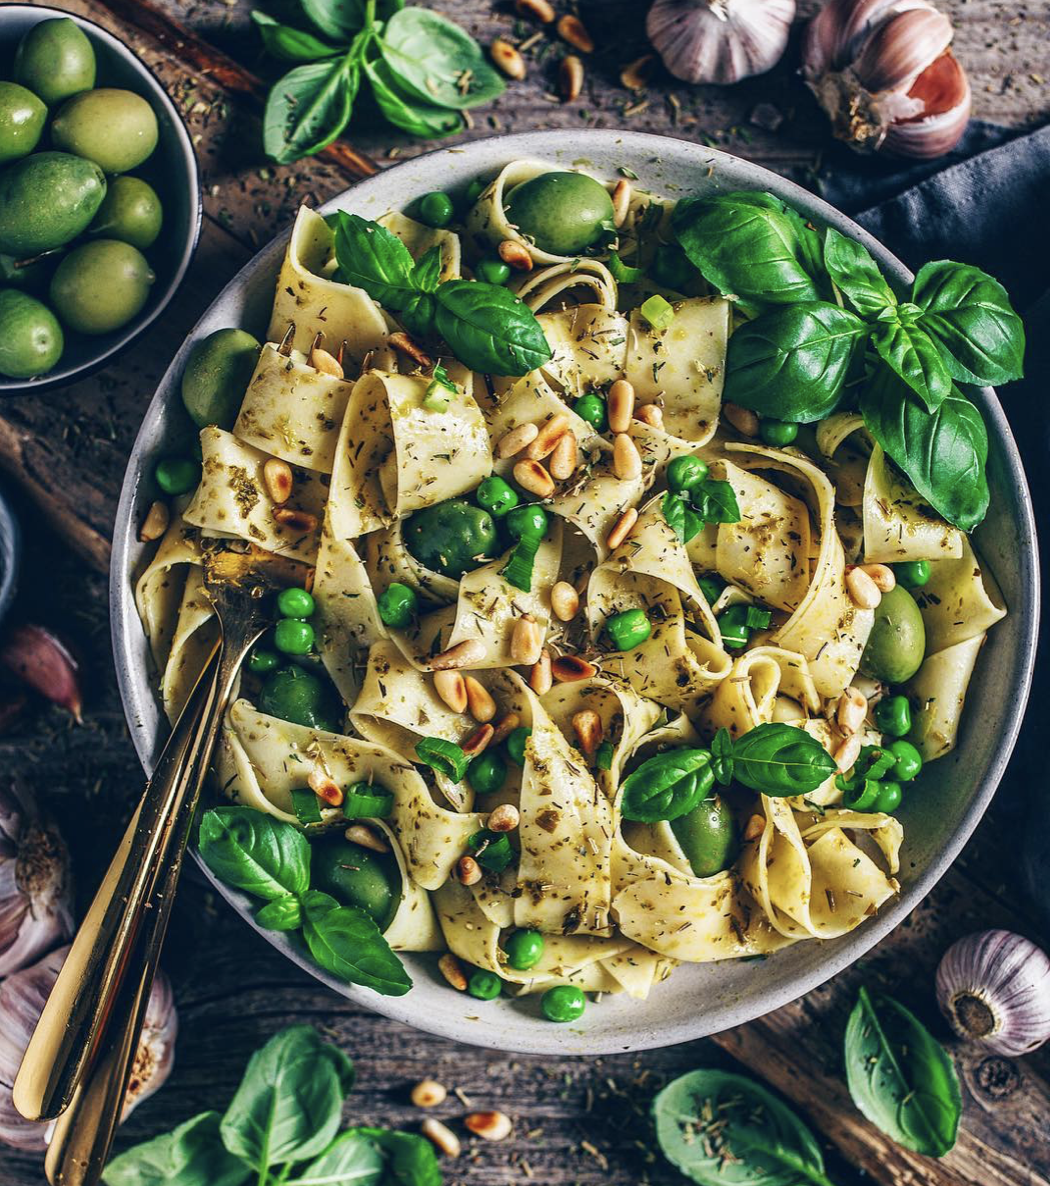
column 171, row 170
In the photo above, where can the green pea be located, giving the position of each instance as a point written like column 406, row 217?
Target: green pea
column 562, row 213
column 888, row 798
column 177, row 475
column 262, row 661
column 628, row 629
column 397, row 605
column 711, row 587
column 732, row 625
column 893, row 715
column 452, row 538
column 295, row 603
column 863, row 797
column 564, row 1002
column 484, row 985
column 527, row 522
column 496, row 496
column 515, row 744
column 524, row 949
column 292, row 637
column 707, row 835
column 671, row 267
column 912, row 574
column 686, row 473
column 299, row 696
column 492, row 271
column 435, row 209
column 592, row 409
column 356, row 876
column 475, row 190
column 487, row 772
column 897, row 643
column 907, row 760
column 777, row 433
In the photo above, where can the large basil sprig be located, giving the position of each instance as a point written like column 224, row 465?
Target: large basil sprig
column 856, row 274
column 191, row 1155
column 900, row 1077
column 667, row 786
column 375, row 259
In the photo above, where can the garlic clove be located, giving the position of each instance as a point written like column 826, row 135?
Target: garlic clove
column 901, row 49
column 945, row 92
column 39, row 658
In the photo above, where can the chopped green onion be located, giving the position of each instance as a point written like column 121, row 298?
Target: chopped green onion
column 436, row 398
column 444, row 757
column 757, row 619
column 364, row 801
column 623, row 273
column 491, row 850
column 658, row 311
column 518, row 570
column 603, row 758
column 307, row 806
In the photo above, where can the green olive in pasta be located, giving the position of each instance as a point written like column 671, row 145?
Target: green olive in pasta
column 355, row 876
column 708, row 837
column 101, row 286
column 219, row 369
column 452, row 538
column 30, row 337
column 22, row 117
column 130, row 211
column 561, row 213
column 116, row 129
column 300, row 697
column 897, row 643
column 55, row 60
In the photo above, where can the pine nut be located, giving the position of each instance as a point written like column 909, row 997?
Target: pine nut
column 296, row 520
column 570, row 77
column 468, row 871
column 587, row 725
column 491, row 1126
column 863, row 591
column 624, row 527
column 325, row 787
column 277, row 477
column 742, row 419
column 324, row 362
column 468, row 653
column 405, row 345
column 851, row 711
column 565, row 601
column 547, row 437
column 882, row 575
column 635, row 74
column 651, row 414
column 451, row 687
column 526, row 641
column 482, row 706
column 440, row 1134
column 756, row 825
column 428, row 1093
column 620, row 406
column 504, row 727
column 847, row 753
column 478, row 741
column 360, row 834
column 504, row 818
column 574, row 31
column 564, row 458
column 621, row 200
column 531, row 476
column 567, row 669
column 539, row 10
column 627, row 461
column 514, row 441
column 540, row 677
column 156, row 522
column 507, row 59
column 516, row 255
column 449, row 967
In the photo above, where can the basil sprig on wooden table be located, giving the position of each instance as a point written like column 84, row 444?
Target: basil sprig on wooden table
column 486, row 326
column 270, row 859
column 423, row 72
column 282, row 1127
column 803, row 352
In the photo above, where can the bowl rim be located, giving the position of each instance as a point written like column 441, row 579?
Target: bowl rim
column 15, row 387
column 849, row 948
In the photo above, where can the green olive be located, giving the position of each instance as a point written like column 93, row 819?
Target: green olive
column 219, row 370
column 708, row 837
column 354, row 876
column 297, row 696
column 562, row 213
column 452, row 537
column 116, row 129
column 55, row 60
column 101, row 286
column 30, row 336
column 897, row 642
column 130, row 211
column 22, row 117
column 46, row 199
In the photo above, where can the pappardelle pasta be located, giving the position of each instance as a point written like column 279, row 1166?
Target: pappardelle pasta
column 595, row 673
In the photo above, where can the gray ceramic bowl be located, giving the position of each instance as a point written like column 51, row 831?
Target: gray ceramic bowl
column 697, row 1000
column 171, row 170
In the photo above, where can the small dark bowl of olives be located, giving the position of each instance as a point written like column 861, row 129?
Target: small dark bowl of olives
column 100, row 205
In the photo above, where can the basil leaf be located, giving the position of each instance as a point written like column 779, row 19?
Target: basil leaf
column 715, row 502
column 943, row 453
column 405, row 111
column 750, row 246
column 911, row 353
column 667, row 786
column 190, row 1155
column 412, row 1160
column 791, row 363
column 282, row 914
column 856, row 274
column 900, row 1077
column 488, row 328
column 345, row 941
column 426, row 273
column 288, row 1105
column 720, row 1129
column 375, row 259
column 255, row 852
column 341, row 19
column 437, row 61
column 674, row 511
column 722, row 756
column 350, row 1160
column 781, row 761
column 291, row 45
column 969, row 315
column 308, row 108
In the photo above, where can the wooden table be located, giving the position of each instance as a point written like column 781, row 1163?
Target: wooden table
column 577, row 1121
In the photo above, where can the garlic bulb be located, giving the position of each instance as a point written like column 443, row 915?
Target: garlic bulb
column 22, row 998
column 35, row 885
column 719, row 41
column 884, row 73
column 994, row 987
